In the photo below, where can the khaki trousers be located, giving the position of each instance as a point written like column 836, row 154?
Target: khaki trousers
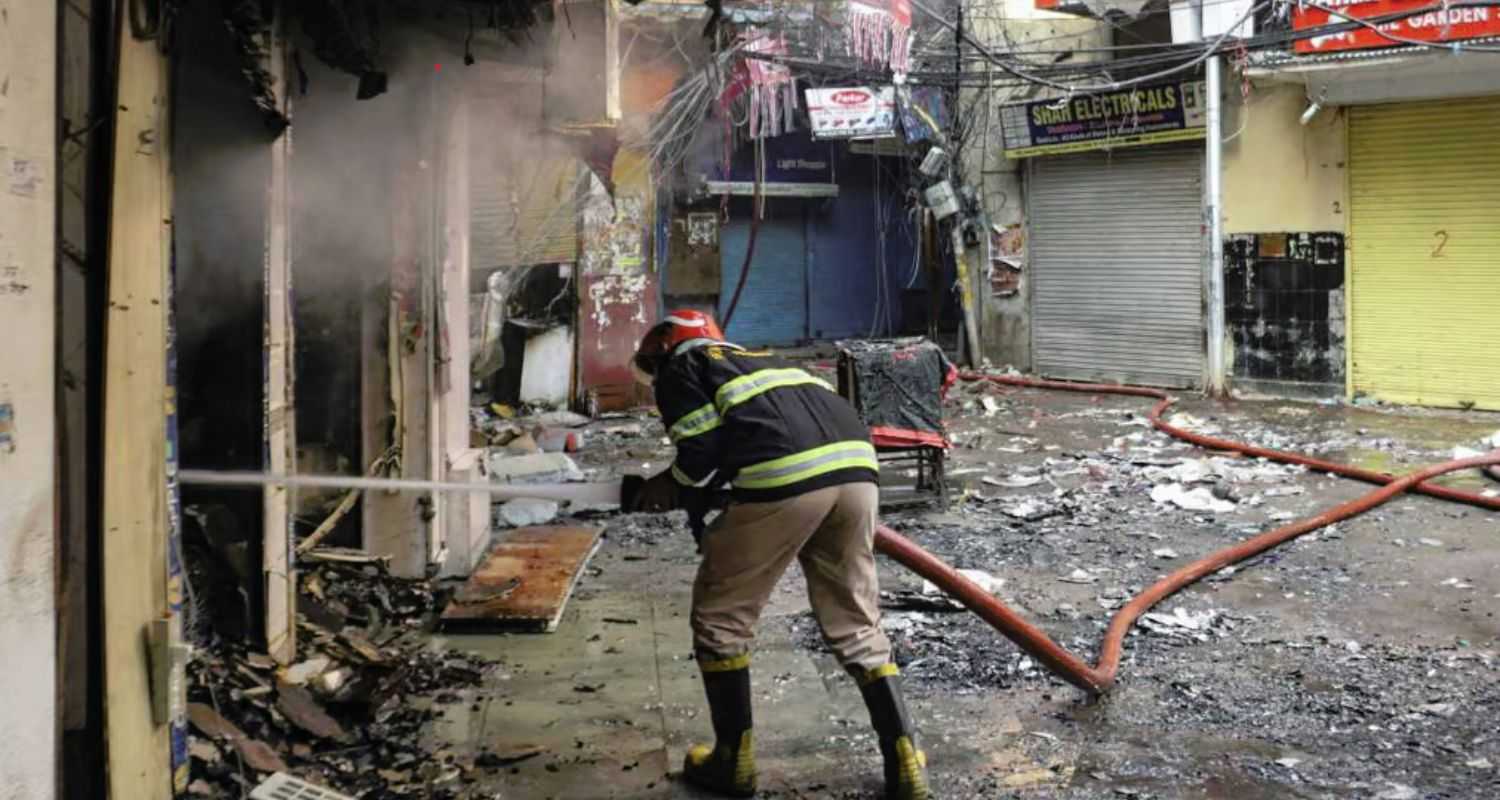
column 831, row 532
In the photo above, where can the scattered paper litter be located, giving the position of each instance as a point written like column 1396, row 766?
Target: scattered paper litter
column 1200, row 499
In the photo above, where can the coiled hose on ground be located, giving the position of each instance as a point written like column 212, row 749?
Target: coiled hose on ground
column 1100, row 678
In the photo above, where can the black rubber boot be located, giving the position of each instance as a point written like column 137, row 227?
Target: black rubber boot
column 727, row 768
column 905, row 763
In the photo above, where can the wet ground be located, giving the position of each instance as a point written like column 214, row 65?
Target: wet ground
column 1359, row 662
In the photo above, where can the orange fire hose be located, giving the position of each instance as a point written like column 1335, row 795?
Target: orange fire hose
column 1099, row 679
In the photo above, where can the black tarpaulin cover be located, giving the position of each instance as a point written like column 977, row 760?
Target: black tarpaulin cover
column 897, row 386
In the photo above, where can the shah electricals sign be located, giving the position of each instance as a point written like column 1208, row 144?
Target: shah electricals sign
column 1166, row 112
column 1422, row 20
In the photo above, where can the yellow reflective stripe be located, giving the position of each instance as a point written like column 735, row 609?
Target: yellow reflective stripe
column 745, row 387
column 699, row 421
column 741, row 661
column 807, row 464
column 882, row 671
column 686, row 480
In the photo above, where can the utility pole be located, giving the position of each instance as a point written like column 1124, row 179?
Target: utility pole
column 1214, row 208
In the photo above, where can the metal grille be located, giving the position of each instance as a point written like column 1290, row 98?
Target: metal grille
column 281, row 786
column 1117, row 254
column 1424, row 279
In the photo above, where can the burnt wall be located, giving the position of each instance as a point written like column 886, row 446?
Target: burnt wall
column 1284, row 307
column 222, row 165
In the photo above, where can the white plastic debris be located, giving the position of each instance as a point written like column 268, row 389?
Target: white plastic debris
column 566, row 419
column 991, row 405
column 1028, row 510
column 1180, row 621
column 524, row 511
column 1289, row 763
column 1164, row 552
column 1443, row 710
column 1079, row 576
column 534, row 468
column 989, row 583
column 1479, row 763
column 1398, row 791
column 1431, row 542
column 1466, row 452
column 304, row 671
column 1200, row 499
column 1014, row 482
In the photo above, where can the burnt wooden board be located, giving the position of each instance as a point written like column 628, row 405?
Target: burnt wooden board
column 524, row 582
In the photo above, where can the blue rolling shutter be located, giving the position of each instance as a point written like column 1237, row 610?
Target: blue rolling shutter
column 773, row 307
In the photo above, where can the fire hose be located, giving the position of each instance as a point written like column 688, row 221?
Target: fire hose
column 1098, row 679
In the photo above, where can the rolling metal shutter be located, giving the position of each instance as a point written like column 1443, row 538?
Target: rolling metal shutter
column 773, row 308
column 1117, row 254
column 524, row 213
column 523, row 185
column 1424, row 252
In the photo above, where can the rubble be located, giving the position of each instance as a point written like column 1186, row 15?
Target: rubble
column 351, row 714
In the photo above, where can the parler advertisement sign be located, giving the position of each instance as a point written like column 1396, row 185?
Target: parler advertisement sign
column 1425, row 22
column 852, row 112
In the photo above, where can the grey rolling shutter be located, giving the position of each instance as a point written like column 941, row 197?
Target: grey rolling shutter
column 1117, row 253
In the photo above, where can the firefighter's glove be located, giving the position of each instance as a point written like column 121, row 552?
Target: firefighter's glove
column 660, row 492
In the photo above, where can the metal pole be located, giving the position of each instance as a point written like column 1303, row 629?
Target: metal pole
column 1214, row 208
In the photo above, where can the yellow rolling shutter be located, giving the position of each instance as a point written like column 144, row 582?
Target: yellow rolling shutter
column 1424, row 252
column 523, row 182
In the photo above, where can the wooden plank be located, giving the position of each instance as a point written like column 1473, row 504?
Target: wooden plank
column 279, row 422
column 135, row 504
column 28, row 502
column 525, row 582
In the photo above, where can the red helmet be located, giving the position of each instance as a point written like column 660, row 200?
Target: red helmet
column 678, row 327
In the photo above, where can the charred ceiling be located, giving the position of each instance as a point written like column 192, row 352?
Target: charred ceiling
column 347, row 35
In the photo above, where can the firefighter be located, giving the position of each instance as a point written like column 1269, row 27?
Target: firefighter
column 803, row 484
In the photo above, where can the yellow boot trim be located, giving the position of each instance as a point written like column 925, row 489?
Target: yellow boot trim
column 736, row 779
column 912, row 783
column 698, row 755
column 741, row 661
column 744, row 764
column 883, row 671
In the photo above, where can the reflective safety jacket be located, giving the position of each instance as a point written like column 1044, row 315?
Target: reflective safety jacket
column 752, row 419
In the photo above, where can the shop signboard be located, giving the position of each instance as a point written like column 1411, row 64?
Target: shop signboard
column 1166, row 112
column 852, row 112
column 795, row 166
column 1393, row 21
